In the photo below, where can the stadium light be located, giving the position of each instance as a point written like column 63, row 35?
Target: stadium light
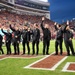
column 44, row 0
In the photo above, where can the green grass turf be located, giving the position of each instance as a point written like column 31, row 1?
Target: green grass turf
column 13, row 66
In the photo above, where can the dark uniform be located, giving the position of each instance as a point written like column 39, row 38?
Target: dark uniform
column 59, row 40
column 1, row 38
column 36, row 37
column 26, row 39
column 68, row 43
column 16, row 40
column 46, row 39
column 8, row 41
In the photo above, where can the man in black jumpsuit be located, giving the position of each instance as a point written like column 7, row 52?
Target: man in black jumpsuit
column 59, row 39
column 46, row 37
column 26, row 39
column 1, row 38
column 36, row 37
column 8, row 40
column 16, row 39
column 68, row 35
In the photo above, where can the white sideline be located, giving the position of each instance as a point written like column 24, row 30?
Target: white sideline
column 20, row 57
column 53, row 68
column 66, row 67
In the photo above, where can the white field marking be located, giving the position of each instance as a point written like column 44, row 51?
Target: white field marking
column 29, row 66
column 2, row 55
column 3, row 58
column 20, row 57
column 26, row 57
column 37, row 68
column 66, row 67
column 53, row 68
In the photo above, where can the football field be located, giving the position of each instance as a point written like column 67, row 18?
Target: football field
column 16, row 65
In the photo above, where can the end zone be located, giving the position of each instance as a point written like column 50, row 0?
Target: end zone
column 50, row 62
column 68, row 67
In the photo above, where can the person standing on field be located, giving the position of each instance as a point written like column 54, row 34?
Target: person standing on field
column 26, row 39
column 46, row 37
column 59, row 38
column 68, row 36
column 8, row 35
column 1, row 38
column 16, row 39
column 36, row 38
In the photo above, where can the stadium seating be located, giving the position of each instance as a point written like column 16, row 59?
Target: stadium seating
column 19, row 20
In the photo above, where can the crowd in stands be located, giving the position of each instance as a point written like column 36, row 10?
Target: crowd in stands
column 19, row 20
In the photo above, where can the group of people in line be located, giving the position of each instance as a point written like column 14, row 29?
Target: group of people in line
column 26, row 33
column 66, row 33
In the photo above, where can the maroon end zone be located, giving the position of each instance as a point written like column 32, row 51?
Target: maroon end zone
column 71, row 67
column 49, row 62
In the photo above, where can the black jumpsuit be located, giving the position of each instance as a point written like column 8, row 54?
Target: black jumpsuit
column 36, row 37
column 26, row 38
column 16, row 40
column 46, row 39
column 1, row 38
column 8, row 41
column 59, row 41
column 68, row 43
